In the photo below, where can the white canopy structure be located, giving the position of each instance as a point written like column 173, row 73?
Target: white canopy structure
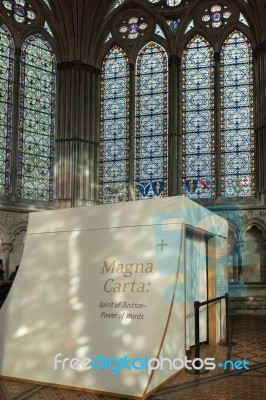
column 113, row 282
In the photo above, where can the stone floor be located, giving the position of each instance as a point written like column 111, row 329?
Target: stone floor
column 249, row 335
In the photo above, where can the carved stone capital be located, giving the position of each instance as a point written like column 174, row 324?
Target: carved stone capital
column 7, row 247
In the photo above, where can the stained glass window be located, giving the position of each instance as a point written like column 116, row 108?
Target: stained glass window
column 190, row 26
column 173, row 25
column 151, row 122
column 217, row 16
column 173, row 3
column 133, row 27
column 158, row 31
column 108, row 37
column 198, row 119
column 7, row 50
column 114, row 166
column 36, row 121
column 47, row 28
column 243, row 19
column 19, row 11
column 237, row 117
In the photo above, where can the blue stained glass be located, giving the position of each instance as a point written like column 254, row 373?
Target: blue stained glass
column 37, row 120
column 237, row 135
column 151, row 122
column 7, row 51
column 114, row 166
column 198, row 158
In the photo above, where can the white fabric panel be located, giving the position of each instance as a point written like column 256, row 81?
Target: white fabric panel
column 75, row 259
column 174, row 341
column 116, row 215
column 196, row 288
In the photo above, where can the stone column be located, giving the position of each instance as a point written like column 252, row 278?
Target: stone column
column 175, row 127
column 77, row 136
column 260, row 117
column 240, row 248
column 217, row 122
column 7, row 248
column 132, row 128
column 15, row 127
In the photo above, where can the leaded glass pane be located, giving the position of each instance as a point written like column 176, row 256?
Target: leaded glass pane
column 237, row 134
column 114, row 166
column 190, row 26
column 151, row 122
column 47, row 28
column 159, row 31
column 173, row 3
column 243, row 19
column 37, row 118
column 7, row 51
column 198, row 119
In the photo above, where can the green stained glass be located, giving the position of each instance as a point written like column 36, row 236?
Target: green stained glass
column 151, row 155
column 114, row 166
column 7, row 51
column 36, row 121
column 198, row 119
column 237, row 133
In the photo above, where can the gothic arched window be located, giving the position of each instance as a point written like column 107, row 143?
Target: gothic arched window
column 114, row 166
column 198, row 119
column 37, row 113
column 190, row 101
column 7, row 53
column 148, row 151
column 237, row 134
column 27, row 100
column 151, row 145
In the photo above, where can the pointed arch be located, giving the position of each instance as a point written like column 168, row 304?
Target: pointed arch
column 36, row 120
column 7, row 54
column 151, row 141
column 114, row 145
column 237, row 132
column 198, row 160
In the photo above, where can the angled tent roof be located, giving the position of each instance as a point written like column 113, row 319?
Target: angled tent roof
column 100, row 282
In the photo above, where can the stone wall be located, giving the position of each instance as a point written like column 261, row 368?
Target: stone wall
column 13, row 227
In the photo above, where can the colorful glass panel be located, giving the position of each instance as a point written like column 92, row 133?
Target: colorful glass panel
column 217, row 16
column 19, row 11
column 47, row 28
column 243, row 19
column 7, row 51
column 198, row 119
column 190, row 26
column 151, row 122
column 37, row 120
column 114, row 166
column 237, row 117
column 173, row 25
column 158, row 31
column 173, row 3
column 133, row 28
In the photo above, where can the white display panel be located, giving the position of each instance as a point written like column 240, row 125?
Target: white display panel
column 101, row 281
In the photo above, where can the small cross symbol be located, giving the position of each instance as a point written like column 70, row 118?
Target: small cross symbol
column 162, row 244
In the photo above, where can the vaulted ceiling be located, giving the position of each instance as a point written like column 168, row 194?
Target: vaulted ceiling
column 76, row 24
